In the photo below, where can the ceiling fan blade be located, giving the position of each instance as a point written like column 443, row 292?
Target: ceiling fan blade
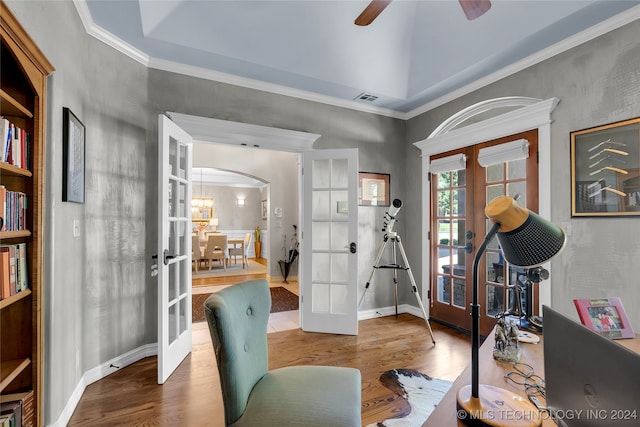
column 475, row 8
column 371, row 12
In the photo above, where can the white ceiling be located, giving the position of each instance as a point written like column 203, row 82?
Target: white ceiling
column 415, row 53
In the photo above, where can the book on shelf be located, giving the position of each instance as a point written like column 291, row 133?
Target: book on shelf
column 5, row 273
column 7, row 420
column 25, row 401
column 13, row 269
column 14, row 209
column 14, row 147
column 13, row 409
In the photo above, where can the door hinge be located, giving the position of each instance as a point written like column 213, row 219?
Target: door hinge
column 428, row 235
column 429, row 294
column 537, row 157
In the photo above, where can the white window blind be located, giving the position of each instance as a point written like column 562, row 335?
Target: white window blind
column 449, row 163
column 509, row 151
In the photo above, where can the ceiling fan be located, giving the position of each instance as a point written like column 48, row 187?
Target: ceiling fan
column 472, row 10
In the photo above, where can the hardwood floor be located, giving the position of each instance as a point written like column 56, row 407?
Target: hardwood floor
column 192, row 397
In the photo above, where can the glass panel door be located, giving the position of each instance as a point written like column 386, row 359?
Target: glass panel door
column 502, row 286
column 451, row 233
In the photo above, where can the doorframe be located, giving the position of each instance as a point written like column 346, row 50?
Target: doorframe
column 228, row 132
column 525, row 114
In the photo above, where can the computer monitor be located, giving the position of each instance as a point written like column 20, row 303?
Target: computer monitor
column 590, row 380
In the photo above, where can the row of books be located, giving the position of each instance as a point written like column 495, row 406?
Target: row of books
column 13, row 269
column 16, row 410
column 14, row 144
column 13, row 209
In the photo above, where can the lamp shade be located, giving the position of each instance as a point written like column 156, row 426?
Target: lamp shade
column 526, row 239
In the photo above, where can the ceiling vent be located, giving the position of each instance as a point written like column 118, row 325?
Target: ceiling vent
column 365, row 97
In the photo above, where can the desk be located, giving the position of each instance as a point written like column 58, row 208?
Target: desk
column 492, row 373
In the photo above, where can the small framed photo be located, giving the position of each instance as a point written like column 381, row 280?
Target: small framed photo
column 605, row 316
column 605, row 170
column 265, row 210
column 373, row 189
column 73, row 157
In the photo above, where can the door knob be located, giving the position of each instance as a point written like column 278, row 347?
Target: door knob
column 352, row 247
column 167, row 257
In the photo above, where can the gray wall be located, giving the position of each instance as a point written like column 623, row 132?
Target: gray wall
column 225, row 207
column 597, row 83
column 100, row 301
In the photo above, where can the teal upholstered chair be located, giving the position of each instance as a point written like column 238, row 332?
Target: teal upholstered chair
column 303, row 396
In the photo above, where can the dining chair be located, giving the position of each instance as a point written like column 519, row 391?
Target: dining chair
column 247, row 242
column 236, row 252
column 253, row 395
column 216, row 250
column 196, row 251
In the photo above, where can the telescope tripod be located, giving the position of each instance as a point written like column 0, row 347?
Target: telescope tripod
column 396, row 241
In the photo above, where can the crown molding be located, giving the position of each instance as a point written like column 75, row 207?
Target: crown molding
column 530, row 116
column 591, row 33
column 204, row 73
column 106, row 37
column 206, row 129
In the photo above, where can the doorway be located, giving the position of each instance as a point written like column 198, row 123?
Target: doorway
column 458, row 198
column 478, row 123
column 241, row 179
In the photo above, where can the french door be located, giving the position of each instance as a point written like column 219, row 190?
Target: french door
column 329, row 284
column 174, row 246
column 458, row 227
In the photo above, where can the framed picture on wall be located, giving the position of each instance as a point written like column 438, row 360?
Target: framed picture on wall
column 605, row 170
column 264, row 209
column 73, row 157
column 373, row 189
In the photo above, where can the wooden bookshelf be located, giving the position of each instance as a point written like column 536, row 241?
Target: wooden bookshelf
column 23, row 101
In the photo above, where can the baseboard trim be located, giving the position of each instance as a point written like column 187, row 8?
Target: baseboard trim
column 389, row 311
column 100, row 372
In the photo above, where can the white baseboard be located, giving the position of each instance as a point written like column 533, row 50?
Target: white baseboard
column 98, row 373
column 389, row 311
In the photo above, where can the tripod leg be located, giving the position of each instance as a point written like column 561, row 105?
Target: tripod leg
column 395, row 275
column 373, row 270
column 414, row 288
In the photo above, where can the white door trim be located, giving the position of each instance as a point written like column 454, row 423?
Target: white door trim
column 528, row 113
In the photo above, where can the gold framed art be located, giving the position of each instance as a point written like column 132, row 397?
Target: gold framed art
column 605, row 170
column 373, row 189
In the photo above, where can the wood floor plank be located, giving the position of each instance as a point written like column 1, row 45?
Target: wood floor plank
column 192, row 397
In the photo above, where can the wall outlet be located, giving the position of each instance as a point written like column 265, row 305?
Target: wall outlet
column 76, row 228
column 566, row 226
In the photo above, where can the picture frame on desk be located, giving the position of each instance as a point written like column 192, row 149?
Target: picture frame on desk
column 73, row 157
column 605, row 170
column 605, row 316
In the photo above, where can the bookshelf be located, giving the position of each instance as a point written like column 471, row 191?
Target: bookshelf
column 22, row 102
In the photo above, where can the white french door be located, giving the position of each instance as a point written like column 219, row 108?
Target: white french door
column 174, row 246
column 329, row 284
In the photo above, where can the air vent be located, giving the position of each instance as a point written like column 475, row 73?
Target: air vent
column 365, row 97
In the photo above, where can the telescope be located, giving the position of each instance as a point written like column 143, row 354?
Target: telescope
column 390, row 215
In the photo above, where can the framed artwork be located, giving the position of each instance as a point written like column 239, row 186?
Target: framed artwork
column 605, row 170
column 264, row 209
column 605, row 316
column 373, row 189
column 73, row 157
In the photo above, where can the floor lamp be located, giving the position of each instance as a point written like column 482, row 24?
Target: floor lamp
column 526, row 240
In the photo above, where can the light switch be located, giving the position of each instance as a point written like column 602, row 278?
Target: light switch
column 76, row 228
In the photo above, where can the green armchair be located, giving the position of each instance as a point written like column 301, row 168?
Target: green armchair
column 306, row 396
